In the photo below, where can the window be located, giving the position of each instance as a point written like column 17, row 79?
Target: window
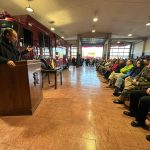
column 74, row 51
column 47, row 41
column 27, row 37
column 46, row 52
column 69, row 52
column 120, row 51
column 92, row 52
column 40, row 35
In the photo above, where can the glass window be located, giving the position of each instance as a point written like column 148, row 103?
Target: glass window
column 47, row 41
column 121, row 47
column 126, row 50
column 120, row 54
column 127, row 46
column 114, row 54
column 74, row 51
column 28, row 37
column 120, row 51
column 46, row 52
column 126, row 54
column 114, row 47
column 111, row 50
column 41, row 40
column 115, row 50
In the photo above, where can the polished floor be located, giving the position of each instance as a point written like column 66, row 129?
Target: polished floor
column 79, row 115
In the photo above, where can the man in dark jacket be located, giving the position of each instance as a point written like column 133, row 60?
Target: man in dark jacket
column 139, row 107
column 8, row 52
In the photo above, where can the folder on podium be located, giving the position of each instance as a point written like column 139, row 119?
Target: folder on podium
column 20, row 88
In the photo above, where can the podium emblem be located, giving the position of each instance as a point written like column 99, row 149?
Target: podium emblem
column 36, row 78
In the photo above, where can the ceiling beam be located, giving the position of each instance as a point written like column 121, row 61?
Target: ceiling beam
column 94, row 35
column 129, row 39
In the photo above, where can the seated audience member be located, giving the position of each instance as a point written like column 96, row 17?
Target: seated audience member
column 139, row 107
column 113, row 68
column 131, row 74
column 100, row 63
column 118, row 68
column 8, row 52
column 113, row 76
column 142, row 80
column 145, row 61
column 105, row 66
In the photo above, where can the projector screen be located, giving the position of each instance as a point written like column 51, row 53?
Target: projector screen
column 92, row 52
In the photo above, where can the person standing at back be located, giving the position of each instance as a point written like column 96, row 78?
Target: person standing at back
column 8, row 51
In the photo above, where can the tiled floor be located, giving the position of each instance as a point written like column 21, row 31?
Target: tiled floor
column 79, row 115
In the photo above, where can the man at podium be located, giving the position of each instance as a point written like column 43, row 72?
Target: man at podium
column 8, row 51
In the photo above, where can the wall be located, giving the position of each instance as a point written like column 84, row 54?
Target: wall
column 147, row 47
column 138, row 48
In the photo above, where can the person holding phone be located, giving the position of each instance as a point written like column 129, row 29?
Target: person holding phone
column 8, row 51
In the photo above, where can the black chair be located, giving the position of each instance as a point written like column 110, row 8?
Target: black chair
column 45, row 65
column 47, row 69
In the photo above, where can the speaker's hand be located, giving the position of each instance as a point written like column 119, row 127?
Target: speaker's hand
column 11, row 64
column 148, row 91
column 29, row 48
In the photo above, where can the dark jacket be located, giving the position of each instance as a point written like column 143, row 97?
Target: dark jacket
column 144, row 76
column 8, row 51
column 120, row 66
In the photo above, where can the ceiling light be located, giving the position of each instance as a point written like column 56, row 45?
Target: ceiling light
column 29, row 9
column 30, row 24
column 95, row 19
column 93, row 31
column 129, row 35
column 148, row 23
column 52, row 28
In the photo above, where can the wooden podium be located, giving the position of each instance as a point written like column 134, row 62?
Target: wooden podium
column 20, row 88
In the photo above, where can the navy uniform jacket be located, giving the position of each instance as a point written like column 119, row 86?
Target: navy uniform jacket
column 8, row 52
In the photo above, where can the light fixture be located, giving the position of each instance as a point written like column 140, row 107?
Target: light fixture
column 118, row 42
column 129, row 35
column 93, row 31
column 95, row 19
column 52, row 25
column 52, row 28
column 148, row 23
column 62, row 35
column 29, row 9
column 30, row 24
